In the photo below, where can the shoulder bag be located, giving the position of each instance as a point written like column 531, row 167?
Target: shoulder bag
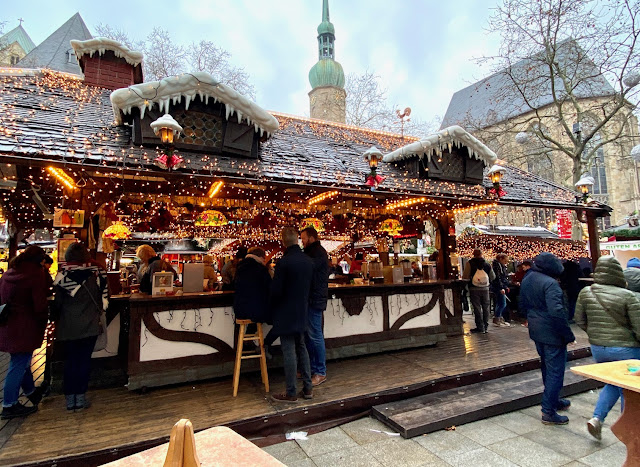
column 101, row 342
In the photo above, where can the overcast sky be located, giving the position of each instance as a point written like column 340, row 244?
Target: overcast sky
column 422, row 49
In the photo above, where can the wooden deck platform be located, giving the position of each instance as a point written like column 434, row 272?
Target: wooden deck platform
column 121, row 422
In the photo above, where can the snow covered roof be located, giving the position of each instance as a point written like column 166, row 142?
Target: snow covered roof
column 189, row 85
column 443, row 139
column 101, row 45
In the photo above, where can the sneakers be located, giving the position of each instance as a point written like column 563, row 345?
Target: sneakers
column 82, row 402
column 70, row 399
column 554, row 419
column 317, row 380
column 17, row 410
column 504, row 323
column 594, row 426
column 496, row 321
column 284, row 398
column 306, row 394
column 563, row 404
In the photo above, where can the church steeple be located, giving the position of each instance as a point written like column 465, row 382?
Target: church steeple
column 327, row 96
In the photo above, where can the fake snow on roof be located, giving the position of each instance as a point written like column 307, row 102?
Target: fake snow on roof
column 101, row 45
column 444, row 139
column 173, row 89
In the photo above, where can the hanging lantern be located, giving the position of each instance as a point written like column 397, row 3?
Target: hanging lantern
column 495, row 175
column 167, row 128
column 117, row 231
column 584, row 185
column 211, row 218
column 312, row 222
column 391, row 226
column 373, row 156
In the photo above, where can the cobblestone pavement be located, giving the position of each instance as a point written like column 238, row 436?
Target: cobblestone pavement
column 513, row 439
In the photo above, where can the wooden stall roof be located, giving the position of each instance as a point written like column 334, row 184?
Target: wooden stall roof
column 47, row 117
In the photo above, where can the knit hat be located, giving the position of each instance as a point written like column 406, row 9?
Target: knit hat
column 633, row 263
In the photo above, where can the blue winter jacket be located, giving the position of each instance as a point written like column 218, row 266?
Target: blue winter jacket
column 541, row 297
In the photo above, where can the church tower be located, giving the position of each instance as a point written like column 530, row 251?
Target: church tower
column 327, row 97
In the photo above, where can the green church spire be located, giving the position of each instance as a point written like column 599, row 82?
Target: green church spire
column 327, row 72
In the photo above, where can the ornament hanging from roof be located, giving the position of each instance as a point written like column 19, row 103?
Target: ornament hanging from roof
column 211, row 219
column 391, row 226
column 373, row 156
column 117, row 231
column 169, row 161
column 312, row 222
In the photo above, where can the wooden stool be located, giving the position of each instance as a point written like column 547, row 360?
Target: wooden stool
column 245, row 354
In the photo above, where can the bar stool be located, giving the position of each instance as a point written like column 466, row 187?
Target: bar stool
column 242, row 354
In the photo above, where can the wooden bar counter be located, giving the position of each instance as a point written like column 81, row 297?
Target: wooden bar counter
column 181, row 338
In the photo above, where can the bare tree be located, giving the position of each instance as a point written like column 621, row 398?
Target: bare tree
column 206, row 56
column 163, row 57
column 562, row 63
column 367, row 106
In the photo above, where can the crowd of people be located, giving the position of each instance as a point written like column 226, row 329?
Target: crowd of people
column 550, row 297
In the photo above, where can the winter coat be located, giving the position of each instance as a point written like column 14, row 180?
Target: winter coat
column 78, row 317
column 614, row 322
column 251, row 298
column 569, row 279
column 542, row 298
column 290, row 291
column 26, row 291
column 319, row 293
column 472, row 266
column 156, row 264
column 501, row 280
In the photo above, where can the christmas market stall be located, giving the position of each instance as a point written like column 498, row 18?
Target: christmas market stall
column 115, row 162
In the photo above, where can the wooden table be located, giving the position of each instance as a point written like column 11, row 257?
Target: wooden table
column 627, row 427
column 217, row 446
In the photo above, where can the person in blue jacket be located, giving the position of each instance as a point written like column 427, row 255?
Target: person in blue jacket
column 542, row 298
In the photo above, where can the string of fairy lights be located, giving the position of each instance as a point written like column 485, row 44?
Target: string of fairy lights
column 92, row 163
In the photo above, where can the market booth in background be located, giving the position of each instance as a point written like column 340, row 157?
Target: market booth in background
column 189, row 158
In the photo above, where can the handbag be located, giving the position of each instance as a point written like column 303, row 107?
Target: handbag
column 101, row 341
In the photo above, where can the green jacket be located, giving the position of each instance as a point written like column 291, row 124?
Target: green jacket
column 616, row 321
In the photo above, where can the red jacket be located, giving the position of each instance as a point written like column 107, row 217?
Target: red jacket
column 26, row 290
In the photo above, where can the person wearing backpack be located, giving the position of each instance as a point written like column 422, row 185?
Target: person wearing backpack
column 480, row 275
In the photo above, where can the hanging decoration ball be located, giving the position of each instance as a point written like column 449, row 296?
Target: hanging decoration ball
column 312, row 222
column 522, row 137
column 391, row 226
column 211, row 218
column 117, row 231
column 635, row 153
column 632, row 79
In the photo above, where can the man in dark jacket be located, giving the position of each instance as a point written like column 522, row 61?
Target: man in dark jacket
column 252, row 282
column 500, row 288
column 290, row 300
column 318, row 296
column 542, row 297
column 479, row 274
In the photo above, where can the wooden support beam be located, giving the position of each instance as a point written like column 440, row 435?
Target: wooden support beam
column 594, row 239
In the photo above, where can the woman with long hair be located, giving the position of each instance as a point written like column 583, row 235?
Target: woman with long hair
column 23, row 288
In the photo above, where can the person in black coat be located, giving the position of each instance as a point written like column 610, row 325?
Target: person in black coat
column 251, row 283
column 318, row 296
column 290, row 298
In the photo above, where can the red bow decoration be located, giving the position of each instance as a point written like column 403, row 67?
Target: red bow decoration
column 374, row 180
column 172, row 161
column 500, row 193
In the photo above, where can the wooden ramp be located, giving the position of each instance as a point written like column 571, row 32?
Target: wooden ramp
column 122, row 422
column 437, row 411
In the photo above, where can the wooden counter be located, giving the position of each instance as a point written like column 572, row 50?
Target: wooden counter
column 180, row 338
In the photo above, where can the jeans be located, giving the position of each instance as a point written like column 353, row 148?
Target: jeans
column 553, row 360
column 610, row 394
column 294, row 350
column 77, row 364
column 501, row 304
column 18, row 375
column 315, row 342
column 481, row 304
